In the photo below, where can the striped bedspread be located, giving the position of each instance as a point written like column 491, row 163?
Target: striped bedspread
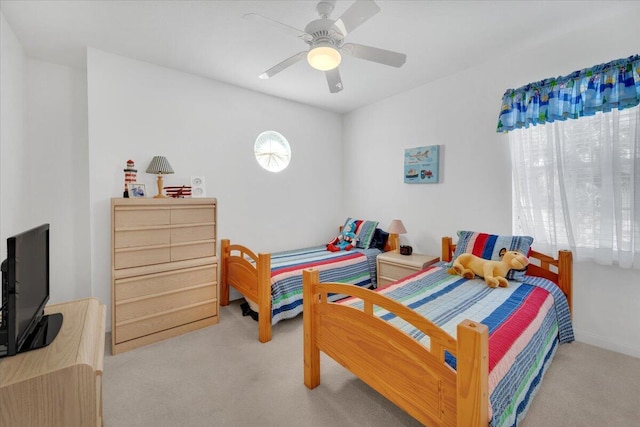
column 355, row 267
column 526, row 322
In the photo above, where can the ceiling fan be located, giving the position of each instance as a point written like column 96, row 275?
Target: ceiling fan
column 325, row 38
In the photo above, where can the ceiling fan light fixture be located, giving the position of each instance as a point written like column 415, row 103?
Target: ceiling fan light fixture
column 324, row 58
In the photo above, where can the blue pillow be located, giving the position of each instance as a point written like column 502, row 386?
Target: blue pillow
column 365, row 234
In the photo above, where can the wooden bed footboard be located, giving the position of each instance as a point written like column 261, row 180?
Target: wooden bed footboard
column 249, row 274
column 415, row 378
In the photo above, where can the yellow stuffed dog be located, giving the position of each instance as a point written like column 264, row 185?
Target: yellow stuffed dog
column 493, row 272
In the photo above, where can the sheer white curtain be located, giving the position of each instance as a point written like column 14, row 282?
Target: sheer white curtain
column 576, row 185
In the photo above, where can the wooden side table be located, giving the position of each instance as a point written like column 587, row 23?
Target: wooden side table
column 392, row 266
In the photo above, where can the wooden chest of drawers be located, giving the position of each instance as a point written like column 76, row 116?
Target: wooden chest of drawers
column 164, row 269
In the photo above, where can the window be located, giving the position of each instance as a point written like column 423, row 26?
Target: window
column 272, row 151
column 576, row 184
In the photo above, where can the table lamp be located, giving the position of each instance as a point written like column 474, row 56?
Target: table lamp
column 396, row 228
column 159, row 165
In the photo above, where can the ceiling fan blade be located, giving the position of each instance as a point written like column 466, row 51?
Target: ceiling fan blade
column 334, row 80
column 381, row 56
column 287, row 29
column 284, row 64
column 355, row 16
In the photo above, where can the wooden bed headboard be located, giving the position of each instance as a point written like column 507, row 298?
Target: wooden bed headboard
column 448, row 248
column 558, row 270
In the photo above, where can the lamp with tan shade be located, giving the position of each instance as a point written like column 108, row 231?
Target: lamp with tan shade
column 160, row 166
column 396, row 228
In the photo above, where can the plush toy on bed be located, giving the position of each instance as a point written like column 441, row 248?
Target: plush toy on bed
column 346, row 240
column 494, row 272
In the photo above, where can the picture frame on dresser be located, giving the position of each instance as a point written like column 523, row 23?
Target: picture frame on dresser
column 136, row 190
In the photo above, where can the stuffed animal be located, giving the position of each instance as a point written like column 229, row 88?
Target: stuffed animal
column 493, row 272
column 346, row 240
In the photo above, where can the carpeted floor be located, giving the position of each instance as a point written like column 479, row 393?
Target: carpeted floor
column 222, row 376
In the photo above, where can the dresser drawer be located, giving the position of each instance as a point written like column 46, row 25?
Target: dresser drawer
column 393, row 271
column 146, row 237
column 136, row 257
column 129, row 217
column 193, row 215
column 182, row 251
column 129, row 330
column 170, row 281
column 383, row 281
column 159, row 304
column 182, row 234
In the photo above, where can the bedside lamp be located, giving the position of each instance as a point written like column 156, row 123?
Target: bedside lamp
column 396, row 228
column 160, row 166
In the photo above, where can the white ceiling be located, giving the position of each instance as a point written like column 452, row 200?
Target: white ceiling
column 211, row 39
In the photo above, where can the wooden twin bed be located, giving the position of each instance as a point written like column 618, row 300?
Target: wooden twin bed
column 415, row 377
column 250, row 274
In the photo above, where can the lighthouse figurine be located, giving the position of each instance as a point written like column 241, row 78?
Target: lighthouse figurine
column 130, row 177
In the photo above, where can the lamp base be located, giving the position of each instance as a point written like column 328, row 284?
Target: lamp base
column 394, row 240
column 160, row 185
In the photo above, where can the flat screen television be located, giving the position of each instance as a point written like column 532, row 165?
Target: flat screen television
column 25, row 292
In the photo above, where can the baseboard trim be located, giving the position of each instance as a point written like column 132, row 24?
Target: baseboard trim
column 605, row 343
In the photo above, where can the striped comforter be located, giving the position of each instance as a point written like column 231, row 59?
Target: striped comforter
column 355, row 267
column 526, row 323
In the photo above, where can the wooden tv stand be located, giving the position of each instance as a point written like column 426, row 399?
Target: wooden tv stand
column 61, row 384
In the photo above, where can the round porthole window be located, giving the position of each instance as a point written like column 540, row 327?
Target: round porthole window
column 272, row 151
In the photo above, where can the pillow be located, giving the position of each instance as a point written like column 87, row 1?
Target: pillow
column 379, row 240
column 364, row 232
column 489, row 246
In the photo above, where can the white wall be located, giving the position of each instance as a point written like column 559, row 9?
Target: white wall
column 43, row 162
column 138, row 110
column 13, row 157
column 57, row 185
column 459, row 113
column 474, row 188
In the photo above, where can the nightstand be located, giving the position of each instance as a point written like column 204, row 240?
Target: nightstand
column 393, row 266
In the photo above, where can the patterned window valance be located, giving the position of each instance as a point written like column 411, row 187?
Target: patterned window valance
column 615, row 84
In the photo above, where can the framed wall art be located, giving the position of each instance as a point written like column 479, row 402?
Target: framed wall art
column 421, row 165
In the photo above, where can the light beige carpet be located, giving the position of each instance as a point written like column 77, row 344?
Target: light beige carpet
column 222, row 376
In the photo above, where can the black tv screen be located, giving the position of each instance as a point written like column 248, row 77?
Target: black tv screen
column 31, row 278
column 26, row 292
